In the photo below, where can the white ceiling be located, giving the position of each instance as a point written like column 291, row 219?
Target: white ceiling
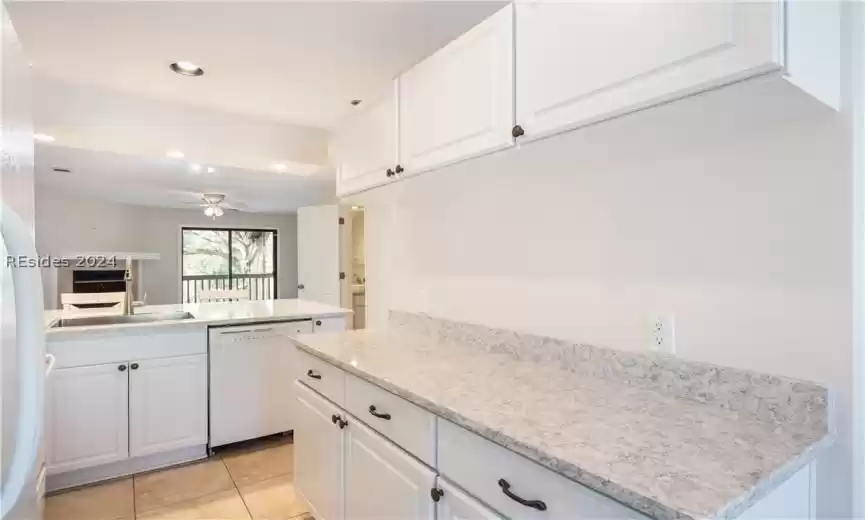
column 161, row 181
column 296, row 62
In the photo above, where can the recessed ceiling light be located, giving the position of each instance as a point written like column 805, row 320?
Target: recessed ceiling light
column 195, row 167
column 175, row 154
column 186, row 68
column 279, row 167
column 355, row 102
column 43, row 137
column 211, row 169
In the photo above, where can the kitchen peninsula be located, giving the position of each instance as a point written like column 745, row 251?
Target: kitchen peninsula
column 132, row 393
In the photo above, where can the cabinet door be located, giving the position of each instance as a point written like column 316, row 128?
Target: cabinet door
column 382, row 481
column 364, row 147
column 167, row 404
column 318, row 454
column 456, row 505
column 86, row 420
column 459, row 102
column 580, row 62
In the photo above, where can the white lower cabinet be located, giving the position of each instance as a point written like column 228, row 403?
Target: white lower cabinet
column 318, row 459
column 87, row 419
column 121, row 403
column 167, row 404
column 347, row 471
column 453, row 504
column 382, row 481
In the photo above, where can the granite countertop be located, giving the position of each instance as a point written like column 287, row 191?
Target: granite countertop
column 664, row 455
column 204, row 314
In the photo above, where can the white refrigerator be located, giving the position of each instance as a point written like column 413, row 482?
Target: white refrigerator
column 23, row 363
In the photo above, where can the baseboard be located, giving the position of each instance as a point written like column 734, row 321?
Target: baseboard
column 125, row 468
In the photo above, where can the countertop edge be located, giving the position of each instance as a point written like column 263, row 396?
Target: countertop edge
column 58, row 333
column 774, row 480
column 636, row 501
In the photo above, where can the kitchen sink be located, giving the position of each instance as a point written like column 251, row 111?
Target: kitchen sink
column 120, row 319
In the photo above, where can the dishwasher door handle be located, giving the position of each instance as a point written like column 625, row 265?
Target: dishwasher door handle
column 226, row 332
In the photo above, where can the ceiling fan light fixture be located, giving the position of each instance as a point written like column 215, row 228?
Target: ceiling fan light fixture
column 186, row 68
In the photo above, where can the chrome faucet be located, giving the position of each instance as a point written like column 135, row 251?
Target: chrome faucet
column 127, row 277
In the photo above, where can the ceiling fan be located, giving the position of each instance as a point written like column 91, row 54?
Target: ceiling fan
column 215, row 206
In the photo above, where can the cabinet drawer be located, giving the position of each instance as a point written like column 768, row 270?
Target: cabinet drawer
column 334, row 324
column 407, row 425
column 478, row 465
column 321, row 376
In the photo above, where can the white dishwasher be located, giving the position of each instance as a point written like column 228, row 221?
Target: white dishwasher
column 251, row 380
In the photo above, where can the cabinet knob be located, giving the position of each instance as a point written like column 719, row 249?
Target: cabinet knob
column 436, row 494
column 134, row 366
column 300, row 287
column 318, row 323
column 399, row 169
column 334, row 418
column 122, row 368
column 342, row 423
column 389, row 172
column 517, row 131
column 312, row 374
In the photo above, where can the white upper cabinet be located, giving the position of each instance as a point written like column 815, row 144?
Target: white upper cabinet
column 459, row 102
column 364, row 148
column 580, row 62
column 167, row 404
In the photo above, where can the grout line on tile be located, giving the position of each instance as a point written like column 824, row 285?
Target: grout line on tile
column 237, row 489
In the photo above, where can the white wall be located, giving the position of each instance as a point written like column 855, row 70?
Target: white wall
column 732, row 210
column 68, row 223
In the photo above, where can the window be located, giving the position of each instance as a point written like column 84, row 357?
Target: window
column 222, row 259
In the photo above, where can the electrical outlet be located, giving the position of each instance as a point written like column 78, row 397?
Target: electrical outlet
column 662, row 333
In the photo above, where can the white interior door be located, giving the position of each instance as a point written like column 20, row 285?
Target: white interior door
column 167, row 404
column 319, row 254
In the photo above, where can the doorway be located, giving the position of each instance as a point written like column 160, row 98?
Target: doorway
column 358, row 267
column 331, row 266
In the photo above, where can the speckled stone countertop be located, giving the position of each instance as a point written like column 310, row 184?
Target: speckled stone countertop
column 203, row 315
column 669, row 438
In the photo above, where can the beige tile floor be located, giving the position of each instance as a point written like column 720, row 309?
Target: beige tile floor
column 249, row 482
